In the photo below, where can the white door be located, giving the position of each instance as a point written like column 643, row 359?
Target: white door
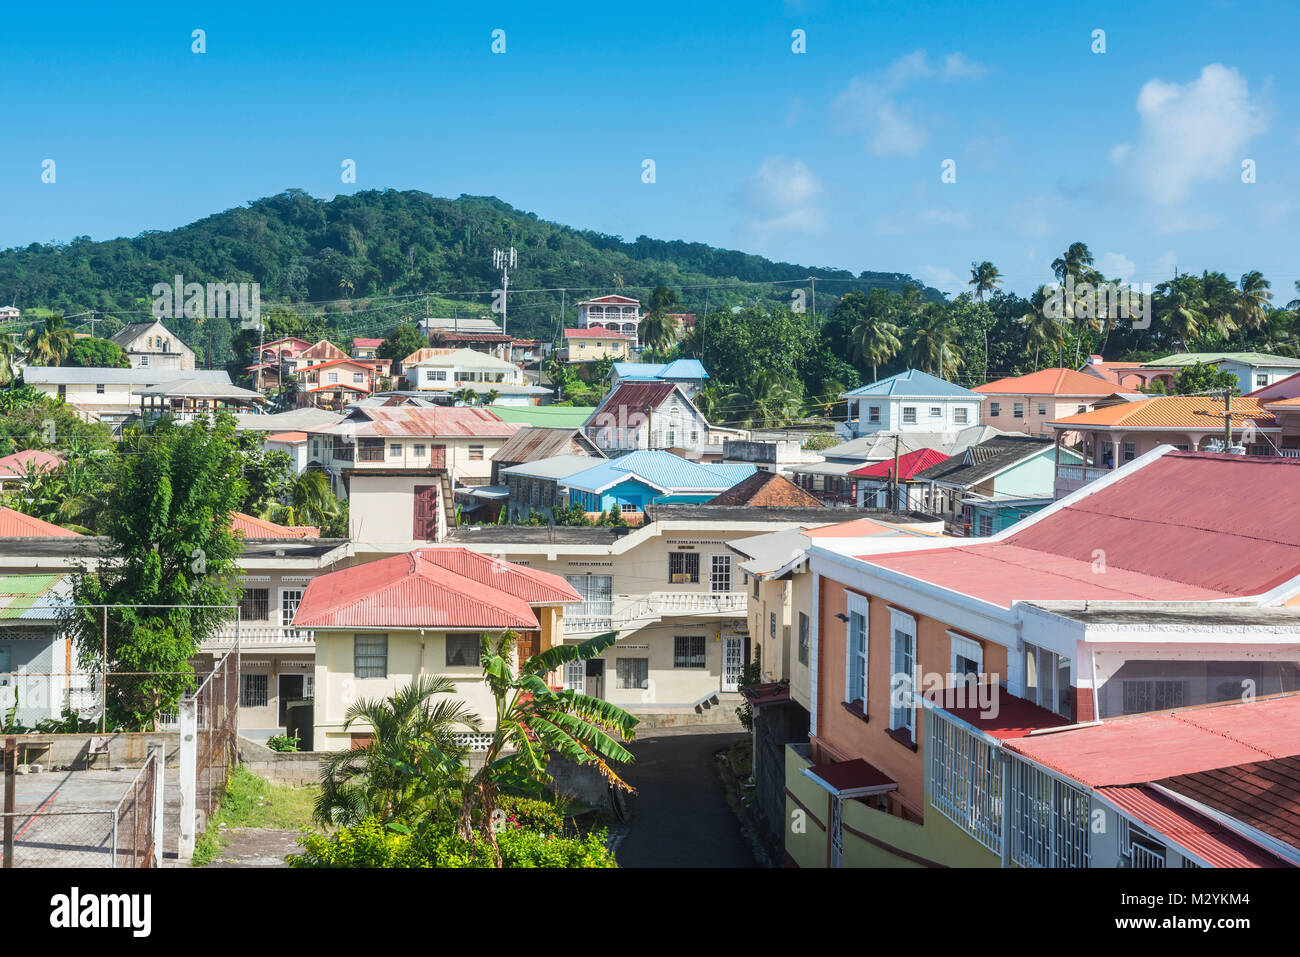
column 733, row 660
column 575, row 676
column 290, row 598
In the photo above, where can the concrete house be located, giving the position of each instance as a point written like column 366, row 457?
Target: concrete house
column 654, row 415
column 911, row 401
column 611, row 313
column 1028, row 403
column 933, row 668
column 592, row 345
column 111, row 395
column 153, row 345
column 1253, row 370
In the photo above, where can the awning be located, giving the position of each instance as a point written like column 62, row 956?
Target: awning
column 850, row 779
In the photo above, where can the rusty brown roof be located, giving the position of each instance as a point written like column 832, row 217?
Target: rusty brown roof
column 449, row 421
column 631, row 399
column 532, row 443
column 767, row 490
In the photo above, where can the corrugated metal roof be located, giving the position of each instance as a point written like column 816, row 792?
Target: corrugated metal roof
column 1214, row 843
column 322, row 351
column 93, row 375
column 431, row 588
column 1066, row 382
column 23, row 463
column 1192, row 412
column 626, row 405
column 596, row 333
column 1264, row 794
column 17, row 525
column 557, row 467
column 531, row 444
column 1179, row 359
column 417, row 421
column 251, row 526
column 661, row 469
column 1149, row 747
column 462, row 358
column 32, row 597
column 768, row 490
column 908, row 465
column 913, row 382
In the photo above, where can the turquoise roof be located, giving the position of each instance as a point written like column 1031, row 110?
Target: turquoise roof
column 913, row 382
column 677, row 369
column 660, row 469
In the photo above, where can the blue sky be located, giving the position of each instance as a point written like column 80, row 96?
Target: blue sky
column 831, row 157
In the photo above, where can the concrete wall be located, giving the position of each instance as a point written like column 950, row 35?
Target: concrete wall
column 381, row 508
column 126, row 750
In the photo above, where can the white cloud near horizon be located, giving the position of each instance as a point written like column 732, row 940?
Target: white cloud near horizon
column 781, row 198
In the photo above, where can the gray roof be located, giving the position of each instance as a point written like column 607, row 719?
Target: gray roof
column 461, row 325
column 200, row 389
column 556, row 467
column 295, row 420
column 758, row 513
column 534, row 534
column 535, row 442
column 94, row 375
column 980, row 462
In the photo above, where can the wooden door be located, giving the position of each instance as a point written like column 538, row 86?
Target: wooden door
column 426, row 513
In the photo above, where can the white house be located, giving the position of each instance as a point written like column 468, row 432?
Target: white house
column 911, row 401
column 654, row 415
column 1253, row 370
column 449, row 370
column 615, row 313
column 110, row 395
column 153, row 345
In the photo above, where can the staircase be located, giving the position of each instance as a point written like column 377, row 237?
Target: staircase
column 718, row 708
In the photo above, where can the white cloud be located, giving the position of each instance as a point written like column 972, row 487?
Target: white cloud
column 910, row 223
column 781, row 198
column 871, row 105
column 1116, row 266
column 1190, row 133
column 941, row 278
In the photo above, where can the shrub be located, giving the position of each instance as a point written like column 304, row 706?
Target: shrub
column 369, row 844
column 283, row 742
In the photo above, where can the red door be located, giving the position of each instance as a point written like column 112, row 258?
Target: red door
column 426, row 513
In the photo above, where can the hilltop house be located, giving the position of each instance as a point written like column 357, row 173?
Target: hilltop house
column 911, row 401
column 612, row 313
column 1028, row 403
column 592, row 345
column 153, row 345
column 1076, row 614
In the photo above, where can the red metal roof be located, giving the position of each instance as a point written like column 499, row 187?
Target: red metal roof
column 1213, row 842
column 908, row 465
column 1009, row 716
column 21, row 463
column 431, row 588
column 1265, row 795
column 17, row 525
column 1149, row 747
column 852, row 776
column 322, row 350
column 435, row 422
column 360, row 343
column 1185, row 527
column 597, row 333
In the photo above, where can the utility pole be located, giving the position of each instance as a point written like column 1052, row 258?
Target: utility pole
column 814, row 302
column 505, row 260
column 1227, row 420
column 893, row 476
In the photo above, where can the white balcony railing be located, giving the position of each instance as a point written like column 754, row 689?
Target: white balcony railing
column 658, row 605
column 262, row 636
column 1079, row 473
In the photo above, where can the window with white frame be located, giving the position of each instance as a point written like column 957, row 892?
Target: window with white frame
column 855, row 691
column 1050, row 821
column 1018, row 410
column 909, row 415
column 902, row 661
column 936, row 412
column 873, row 413
column 964, row 780
column 959, row 415
column 720, row 573
column 771, row 627
column 1042, row 408
column 597, row 593
column 575, row 676
column 967, row 659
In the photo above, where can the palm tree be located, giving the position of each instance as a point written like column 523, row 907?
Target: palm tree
column 985, row 278
column 48, row 345
column 1254, row 300
column 933, row 348
column 765, row 400
column 874, row 341
column 1077, row 262
column 311, row 501
column 1221, row 302
column 1182, row 309
column 10, row 353
column 659, row 331
column 411, row 765
column 533, row 720
column 1041, row 330
column 466, row 396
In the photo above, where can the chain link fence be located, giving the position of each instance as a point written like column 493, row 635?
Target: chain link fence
column 217, row 731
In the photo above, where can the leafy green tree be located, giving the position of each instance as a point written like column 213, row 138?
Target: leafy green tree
column 410, row 767
column 169, row 543
column 1200, row 377
column 532, row 722
column 309, row 500
column 99, row 353
column 404, row 339
column 49, row 344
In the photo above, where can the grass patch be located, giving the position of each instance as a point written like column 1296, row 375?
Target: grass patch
column 252, row 801
column 741, row 756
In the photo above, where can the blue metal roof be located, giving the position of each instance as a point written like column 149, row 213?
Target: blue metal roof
column 677, row 369
column 913, row 382
column 663, row 470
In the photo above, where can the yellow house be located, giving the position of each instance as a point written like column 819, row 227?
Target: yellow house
column 381, row 624
column 591, row 345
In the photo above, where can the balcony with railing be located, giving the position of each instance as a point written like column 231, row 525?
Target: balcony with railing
column 636, row 612
column 1069, row 478
column 262, row 635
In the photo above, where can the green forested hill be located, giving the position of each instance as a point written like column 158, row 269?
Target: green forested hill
column 358, row 264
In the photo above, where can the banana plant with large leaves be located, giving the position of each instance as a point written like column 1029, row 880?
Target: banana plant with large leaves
column 533, row 720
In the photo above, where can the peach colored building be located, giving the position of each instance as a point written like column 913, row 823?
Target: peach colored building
column 1028, row 403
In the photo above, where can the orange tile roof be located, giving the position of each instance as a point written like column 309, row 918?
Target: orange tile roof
column 293, row 437
column 1192, row 412
column 1047, row 382
column 252, row 527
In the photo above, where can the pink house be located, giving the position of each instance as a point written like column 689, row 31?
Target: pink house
column 1029, row 403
